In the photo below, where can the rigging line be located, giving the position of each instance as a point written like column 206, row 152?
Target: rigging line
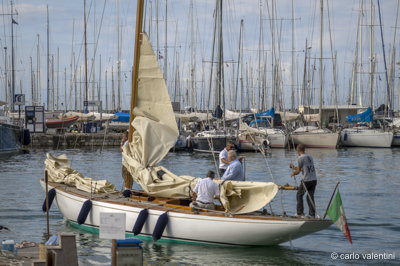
column 334, row 69
column 212, row 58
column 262, row 151
column 104, row 139
column 97, row 39
column 4, row 22
column 189, row 43
column 82, row 40
column 273, row 178
column 312, row 22
column 211, row 145
column 388, row 101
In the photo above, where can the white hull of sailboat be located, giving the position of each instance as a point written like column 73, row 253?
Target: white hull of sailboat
column 366, row 138
column 191, row 227
column 278, row 140
column 248, row 145
column 316, row 140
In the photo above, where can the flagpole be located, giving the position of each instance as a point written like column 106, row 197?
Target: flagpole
column 330, row 201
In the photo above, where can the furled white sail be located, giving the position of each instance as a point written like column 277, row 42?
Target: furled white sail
column 245, row 197
column 156, row 133
column 59, row 170
column 288, row 116
column 234, row 115
column 82, row 116
column 155, row 126
column 194, row 117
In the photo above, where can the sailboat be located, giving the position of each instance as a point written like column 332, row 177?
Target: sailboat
column 12, row 136
column 215, row 139
column 315, row 137
column 364, row 136
column 312, row 136
column 263, row 123
column 61, row 122
column 161, row 210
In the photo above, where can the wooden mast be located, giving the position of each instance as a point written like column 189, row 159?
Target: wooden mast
column 135, row 70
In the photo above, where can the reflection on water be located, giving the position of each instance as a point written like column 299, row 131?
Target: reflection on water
column 370, row 181
column 194, row 254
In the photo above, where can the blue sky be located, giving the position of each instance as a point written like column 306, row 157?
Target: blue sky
column 31, row 20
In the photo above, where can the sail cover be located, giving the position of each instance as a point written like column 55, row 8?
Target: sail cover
column 155, row 134
column 122, row 117
column 270, row 112
column 363, row 117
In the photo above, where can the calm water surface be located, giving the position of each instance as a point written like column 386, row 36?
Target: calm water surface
column 370, row 185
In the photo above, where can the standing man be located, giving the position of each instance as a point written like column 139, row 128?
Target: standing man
column 308, row 182
column 128, row 180
column 204, row 192
column 235, row 169
column 223, row 158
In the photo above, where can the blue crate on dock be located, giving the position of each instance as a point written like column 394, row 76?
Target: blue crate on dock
column 8, row 245
column 129, row 242
column 128, row 252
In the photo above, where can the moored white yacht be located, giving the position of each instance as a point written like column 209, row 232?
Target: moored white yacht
column 366, row 137
column 250, row 141
column 263, row 123
column 314, row 137
column 212, row 141
column 276, row 138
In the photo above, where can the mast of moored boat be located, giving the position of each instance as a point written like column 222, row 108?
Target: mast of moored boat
column 86, row 107
column 321, row 71
column 47, row 59
column 372, row 57
column 12, row 58
column 135, row 70
column 119, row 108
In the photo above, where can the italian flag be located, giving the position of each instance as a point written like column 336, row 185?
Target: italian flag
column 336, row 212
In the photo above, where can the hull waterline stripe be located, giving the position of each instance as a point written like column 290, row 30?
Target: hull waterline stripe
column 95, row 230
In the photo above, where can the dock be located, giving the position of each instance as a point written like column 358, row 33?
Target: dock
column 74, row 140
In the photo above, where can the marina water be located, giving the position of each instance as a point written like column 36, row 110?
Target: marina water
column 370, row 183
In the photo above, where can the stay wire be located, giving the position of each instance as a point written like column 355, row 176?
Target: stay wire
column 270, row 172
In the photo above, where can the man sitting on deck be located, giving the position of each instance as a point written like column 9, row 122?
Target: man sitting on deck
column 204, row 192
column 308, row 183
column 235, row 169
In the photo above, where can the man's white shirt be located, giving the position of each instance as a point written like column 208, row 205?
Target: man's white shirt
column 223, row 155
column 206, row 189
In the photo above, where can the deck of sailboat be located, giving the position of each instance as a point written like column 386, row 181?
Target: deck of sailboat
column 139, row 199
